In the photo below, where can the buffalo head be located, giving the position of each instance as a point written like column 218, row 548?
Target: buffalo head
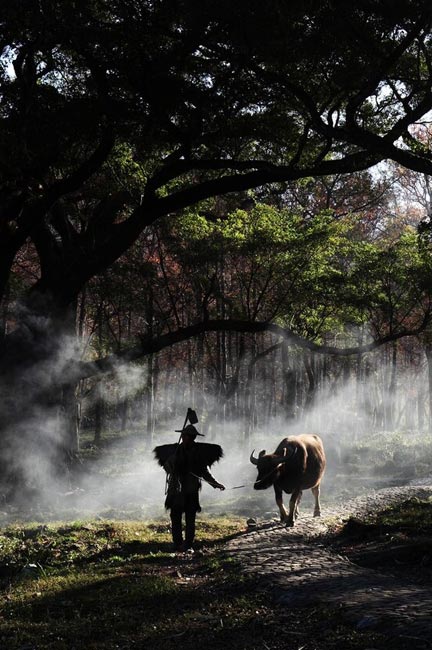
column 269, row 466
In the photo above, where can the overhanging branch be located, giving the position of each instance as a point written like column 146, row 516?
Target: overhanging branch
column 270, row 173
column 152, row 345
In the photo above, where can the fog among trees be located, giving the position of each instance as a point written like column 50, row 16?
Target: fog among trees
column 216, row 206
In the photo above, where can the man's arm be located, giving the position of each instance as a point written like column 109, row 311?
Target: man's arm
column 207, row 476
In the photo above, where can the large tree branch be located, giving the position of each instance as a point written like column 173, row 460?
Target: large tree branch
column 385, row 147
column 267, row 173
column 152, row 345
column 124, row 233
column 180, row 167
column 32, row 213
column 35, row 211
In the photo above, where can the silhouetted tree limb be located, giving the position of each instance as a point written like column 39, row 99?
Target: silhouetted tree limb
column 154, row 345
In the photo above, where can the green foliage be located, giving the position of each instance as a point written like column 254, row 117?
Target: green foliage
column 119, row 114
column 123, row 172
column 319, row 276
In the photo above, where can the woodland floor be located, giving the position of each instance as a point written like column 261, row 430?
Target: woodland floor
column 117, row 586
column 109, row 581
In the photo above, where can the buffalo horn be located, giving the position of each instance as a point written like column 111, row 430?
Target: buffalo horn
column 252, row 459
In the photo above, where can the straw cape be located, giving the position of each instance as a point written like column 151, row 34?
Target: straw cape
column 205, row 454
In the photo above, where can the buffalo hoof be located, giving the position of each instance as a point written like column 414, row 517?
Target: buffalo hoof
column 317, row 513
column 289, row 523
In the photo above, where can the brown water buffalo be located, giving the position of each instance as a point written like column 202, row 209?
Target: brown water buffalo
column 297, row 464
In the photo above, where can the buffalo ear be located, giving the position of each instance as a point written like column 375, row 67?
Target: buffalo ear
column 289, row 453
column 262, row 453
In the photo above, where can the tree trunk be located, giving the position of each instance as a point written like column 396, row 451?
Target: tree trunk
column 150, row 398
column 309, row 363
column 99, row 412
column 428, row 352
column 250, row 394
column 289, row 394
column 99, row 403
column 71, row 420
column 391, row 396
column 124, row 414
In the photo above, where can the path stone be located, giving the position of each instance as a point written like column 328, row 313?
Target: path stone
column 299, row 570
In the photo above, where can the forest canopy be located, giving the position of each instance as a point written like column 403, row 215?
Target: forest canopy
column 210, row 99
column 188, row 140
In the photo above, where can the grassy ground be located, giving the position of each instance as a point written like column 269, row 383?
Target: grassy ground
column 116, row 585
column 104, row 584
column 111, row 582
column 398, row 540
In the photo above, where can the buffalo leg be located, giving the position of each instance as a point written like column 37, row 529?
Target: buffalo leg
column 316, row 493
column 292, row 507
column 280, row 503
column 297, row 509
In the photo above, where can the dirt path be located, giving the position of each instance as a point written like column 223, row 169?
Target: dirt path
column 298, row 570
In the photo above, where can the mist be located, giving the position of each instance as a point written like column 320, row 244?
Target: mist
column 120, row 479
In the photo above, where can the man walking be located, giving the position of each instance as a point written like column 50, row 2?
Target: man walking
column 186, row 466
